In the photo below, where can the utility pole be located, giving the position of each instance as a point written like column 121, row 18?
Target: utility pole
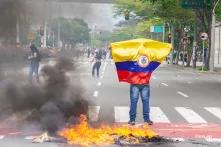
column 194, row 44
column 45, row 34
column 59, row 44
column 173, row 43
column 212, row 51
column 164, row 31
column 17, row 32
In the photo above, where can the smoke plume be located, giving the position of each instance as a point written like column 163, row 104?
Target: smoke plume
column 53, row 103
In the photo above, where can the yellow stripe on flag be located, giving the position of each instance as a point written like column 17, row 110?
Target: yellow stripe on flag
column 131, row 50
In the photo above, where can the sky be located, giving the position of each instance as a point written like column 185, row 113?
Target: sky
column 99, row 15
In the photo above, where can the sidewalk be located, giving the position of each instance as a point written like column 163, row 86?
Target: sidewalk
column 199, row 65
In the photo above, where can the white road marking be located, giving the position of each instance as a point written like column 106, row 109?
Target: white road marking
column 178, row 75
column 182, row 94
column 96, row 93
column 101, row 77
column 121, row 114
column 165, row 84
column 29, row 137
column 93, row 113
column 112, row 63
column 213, row 139
column 189, row 82
column 154, row 77
column 99, row 84
column 157, row 115
column 214, row 110
column 105, row 65
column 2, row 136
column 189, row 115
column 102, row 72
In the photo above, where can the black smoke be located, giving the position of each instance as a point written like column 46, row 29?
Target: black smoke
column 53, row 103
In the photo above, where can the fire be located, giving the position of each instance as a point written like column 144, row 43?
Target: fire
column 83, row 134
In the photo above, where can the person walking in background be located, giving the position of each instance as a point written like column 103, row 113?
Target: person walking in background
column 34, row 59
column 88, row 52
column 97, row 63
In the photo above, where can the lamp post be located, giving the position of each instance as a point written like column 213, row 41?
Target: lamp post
column 213, row 37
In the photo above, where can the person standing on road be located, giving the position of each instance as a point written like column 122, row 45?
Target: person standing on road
column 34, row 63
column 135, row 62
column 142, row 89
column 97, row 63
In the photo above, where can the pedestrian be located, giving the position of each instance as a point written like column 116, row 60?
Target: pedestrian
column 34, row 58
column 97, row 64
column 88, row 52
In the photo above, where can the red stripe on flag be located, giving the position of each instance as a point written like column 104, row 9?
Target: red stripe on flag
column 134, row 77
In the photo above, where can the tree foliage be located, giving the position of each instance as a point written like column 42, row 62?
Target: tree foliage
column 171, row 12
column 12, row 12
column 72, row 31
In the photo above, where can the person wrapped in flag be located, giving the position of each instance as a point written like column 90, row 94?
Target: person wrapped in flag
column 135, row 62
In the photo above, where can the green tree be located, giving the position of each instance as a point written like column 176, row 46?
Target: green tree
column 203, row 17
column 12, row 12
column 72, row 31
column 153, row 12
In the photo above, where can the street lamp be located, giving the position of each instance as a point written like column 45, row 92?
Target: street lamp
column 213, row 37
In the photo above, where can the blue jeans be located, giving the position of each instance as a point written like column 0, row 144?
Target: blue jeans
column 96, row 66
column 144, row 91
column 33, row 70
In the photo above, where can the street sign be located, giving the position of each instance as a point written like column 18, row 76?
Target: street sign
column 196, row 4
column 157, row 29
column 204, row 36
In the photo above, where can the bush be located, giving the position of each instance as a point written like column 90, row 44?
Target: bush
column 204, row 68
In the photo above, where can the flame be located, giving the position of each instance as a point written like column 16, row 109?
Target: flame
column 85, row 135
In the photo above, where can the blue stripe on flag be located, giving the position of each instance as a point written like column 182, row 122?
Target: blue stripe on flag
column 133, row 66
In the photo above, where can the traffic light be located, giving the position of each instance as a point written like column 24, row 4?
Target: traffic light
column 127, row 15
column 169, row 38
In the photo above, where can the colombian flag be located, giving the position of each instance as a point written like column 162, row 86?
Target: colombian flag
column 136, row 59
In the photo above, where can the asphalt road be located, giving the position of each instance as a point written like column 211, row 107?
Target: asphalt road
column 185, row 105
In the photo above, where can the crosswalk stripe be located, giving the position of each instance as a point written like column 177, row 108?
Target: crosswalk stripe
column 214, row 110
column 157, row 115
column 2, row 136
column 93, row 113
column 189, row 115
column 213, row 139
column 121, row 114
